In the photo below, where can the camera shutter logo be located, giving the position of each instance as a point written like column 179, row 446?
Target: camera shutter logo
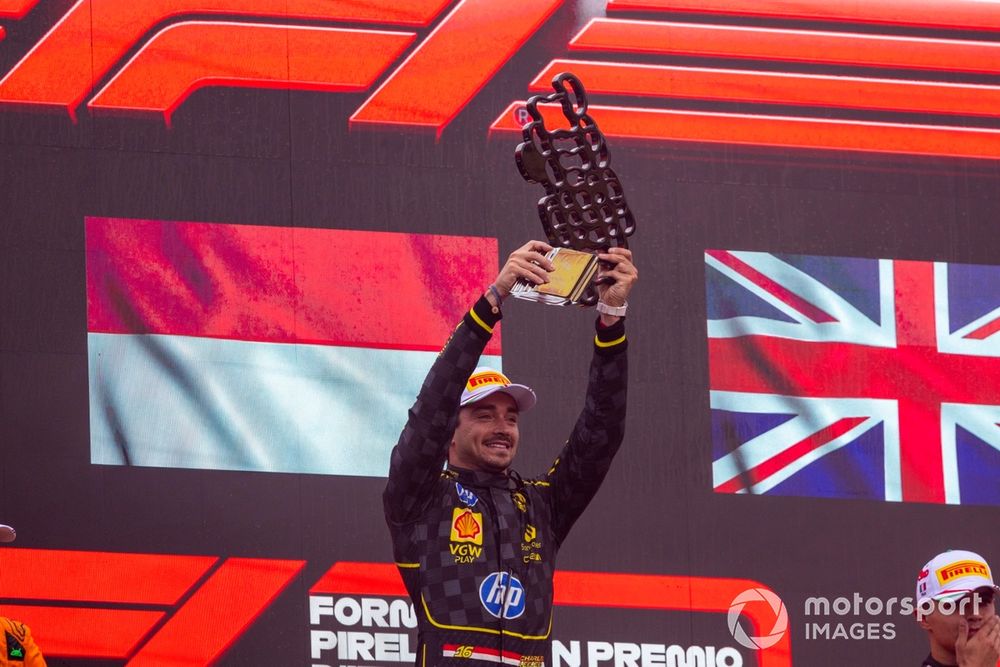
column 778, row 628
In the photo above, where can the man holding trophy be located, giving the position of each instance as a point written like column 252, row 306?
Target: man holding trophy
column 476, row 544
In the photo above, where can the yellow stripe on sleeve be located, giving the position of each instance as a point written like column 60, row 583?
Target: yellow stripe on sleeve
column 599, row 343
column 479, row 321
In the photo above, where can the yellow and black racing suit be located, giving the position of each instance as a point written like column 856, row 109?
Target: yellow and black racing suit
column 477, row 550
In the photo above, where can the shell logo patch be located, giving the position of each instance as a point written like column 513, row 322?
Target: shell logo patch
column 466, row 526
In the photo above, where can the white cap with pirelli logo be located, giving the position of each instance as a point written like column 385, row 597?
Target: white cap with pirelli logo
column 485, row 381
column 953, row 574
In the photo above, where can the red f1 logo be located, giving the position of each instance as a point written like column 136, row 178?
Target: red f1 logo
column 428, row 89
column 144, row 608
column 433, row 56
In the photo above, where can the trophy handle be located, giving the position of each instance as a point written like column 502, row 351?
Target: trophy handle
column 584, row 206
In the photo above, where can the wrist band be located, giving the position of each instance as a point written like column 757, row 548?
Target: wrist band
column 496, row 295
column 616, row 311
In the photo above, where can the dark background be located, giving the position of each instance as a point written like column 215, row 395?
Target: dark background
column 281, row 158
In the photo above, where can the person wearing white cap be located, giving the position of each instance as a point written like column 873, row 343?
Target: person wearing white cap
column 475, row 543
column 17, row 646
column 955, row 606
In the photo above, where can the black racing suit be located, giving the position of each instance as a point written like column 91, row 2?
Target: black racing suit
column 477, row 550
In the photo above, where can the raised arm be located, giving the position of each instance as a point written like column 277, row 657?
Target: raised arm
column 419, row 455
column 584, row 461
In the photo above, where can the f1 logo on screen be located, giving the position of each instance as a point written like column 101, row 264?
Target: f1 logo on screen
column 760, row 66
column 186, row 55
column 140, row 608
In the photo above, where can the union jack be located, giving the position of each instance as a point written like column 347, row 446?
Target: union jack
column 854, row 378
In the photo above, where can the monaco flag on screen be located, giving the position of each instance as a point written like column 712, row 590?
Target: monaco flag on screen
column 854, row 378
column 240, row 347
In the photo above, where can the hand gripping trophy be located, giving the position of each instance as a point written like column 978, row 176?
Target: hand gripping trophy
column 584, row 209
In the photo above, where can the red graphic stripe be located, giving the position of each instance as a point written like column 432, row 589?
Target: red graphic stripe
column 186, row 56
column 591, row 589
column 16, row 9
column 771, row 287
column 971, row 14
column 777, row 87
column 85, row 633
column 779, row 461
column 985, row 331
column 811, row 46
column 778, row 131
column 39, row 574
column 198, row 633
column 348, row 578
column 455, row 61
column 647, row 591
column 86, row 43
column 282, row 284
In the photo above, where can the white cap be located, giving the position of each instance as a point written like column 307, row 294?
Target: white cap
column 7, row 534
column 952, row 575
column 485, row 381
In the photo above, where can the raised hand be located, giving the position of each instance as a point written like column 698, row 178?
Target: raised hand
column 983, row 648
column 622, row 271
column 526, row 262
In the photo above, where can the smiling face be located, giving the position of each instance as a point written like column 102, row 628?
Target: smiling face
column 486, row 436
column 942, row 623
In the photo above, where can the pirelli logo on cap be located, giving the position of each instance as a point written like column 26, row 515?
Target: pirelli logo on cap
column 962, row 568
column 487, row 379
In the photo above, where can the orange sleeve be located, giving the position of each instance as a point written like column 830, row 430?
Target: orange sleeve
column 33, row 657
column 18, row 645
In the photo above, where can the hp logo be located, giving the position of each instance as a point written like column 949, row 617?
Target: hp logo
column 502, row 592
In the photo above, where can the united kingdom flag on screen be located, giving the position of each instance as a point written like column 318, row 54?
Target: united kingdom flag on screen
column 854, row 378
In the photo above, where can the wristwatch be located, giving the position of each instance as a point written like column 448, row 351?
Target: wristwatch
column 618, row 311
